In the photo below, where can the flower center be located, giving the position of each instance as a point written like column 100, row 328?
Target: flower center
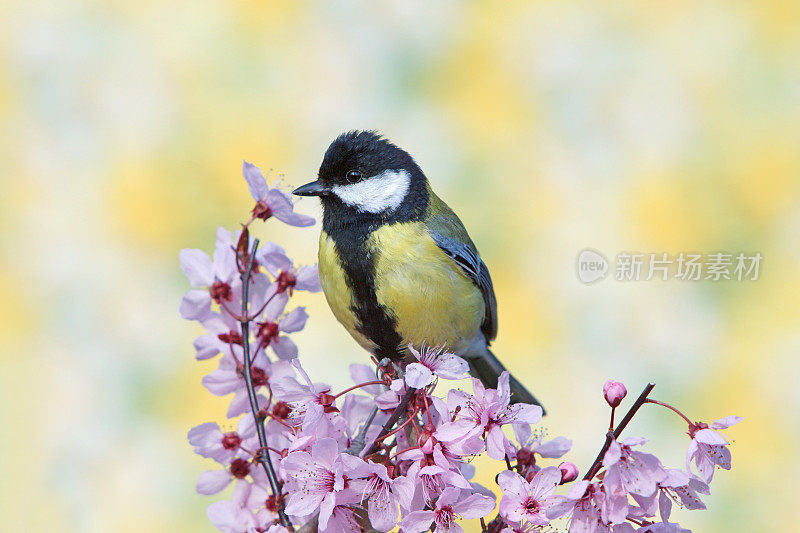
column 220, row 291
column 260, row 378
column 262, row 210
column 232, row 337
column 231, row 441
column 445, row 517
column 267, row 332
column 286, row 281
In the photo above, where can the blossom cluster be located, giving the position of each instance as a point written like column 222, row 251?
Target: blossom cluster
column 394, row 450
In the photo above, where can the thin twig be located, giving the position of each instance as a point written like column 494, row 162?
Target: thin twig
column 263, row 457
column 360, row 440
column 613, row 435
column 668, row 406
column 393, row 418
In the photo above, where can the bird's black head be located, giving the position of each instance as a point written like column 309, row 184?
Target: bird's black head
column 362, row 174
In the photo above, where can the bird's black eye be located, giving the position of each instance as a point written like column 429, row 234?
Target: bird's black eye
column 354, row 176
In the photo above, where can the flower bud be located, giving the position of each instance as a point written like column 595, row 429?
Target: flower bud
column 614, row 391
column 569, row 472
column 426, row 441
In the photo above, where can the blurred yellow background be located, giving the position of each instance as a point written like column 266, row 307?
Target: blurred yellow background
column 549, row 127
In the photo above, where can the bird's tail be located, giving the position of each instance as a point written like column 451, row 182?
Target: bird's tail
column 488, row 368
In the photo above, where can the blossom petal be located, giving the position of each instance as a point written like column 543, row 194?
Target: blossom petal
column 710, row 437
column 613, row 454
column 554, row 448
column 450, row 366
column 417, row 522
column 496, row 443
column 418, row 375
column 364, row 374
column 195, row 305
column 255, row 181
column 225, row 266
column 197, row 266
column 284, row 348
column 664, row 505
column 213, row 481
column 326, row 509
column 450, row 431
column 308, row 279
column 294, row 321
column 474, row 506
column 382, row 510
column 512, row 483
column 206, row 346
column 228, row 516
column 325, row 451
column 204, row 434
column 282, row 208
column 726, row 422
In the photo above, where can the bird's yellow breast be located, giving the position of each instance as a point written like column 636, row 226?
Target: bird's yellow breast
column 431, row 298
column 337, row 293
column 423, row 290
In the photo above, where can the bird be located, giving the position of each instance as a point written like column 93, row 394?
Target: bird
column 396, row 264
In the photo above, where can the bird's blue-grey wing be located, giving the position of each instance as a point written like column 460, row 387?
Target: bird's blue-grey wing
column 466, row 257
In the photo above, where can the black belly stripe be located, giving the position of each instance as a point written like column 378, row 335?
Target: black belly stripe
column 375, row 321
column 350, row 230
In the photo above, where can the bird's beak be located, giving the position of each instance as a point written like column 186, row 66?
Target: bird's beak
column 315, row 188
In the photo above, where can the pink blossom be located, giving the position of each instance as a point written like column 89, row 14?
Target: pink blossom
column 245, row 511
column 308, row 400
column 213, row 481
column 449, row 507
column 484, row 414
column 591, row 508
column 229, row 377
column 271, row 201
column 676, row 486
column 222, row 330
column 269, row 329
column 391, row 398
column 430, row 480
column 530, row 446
column 658, row 527
column 614, row 392
column 343, row 520
column 709, row 447
column 214, row 280
column 288, row 278
column 209, row 441
column 529, row 501
column 629, row 471
column 433, row 361
column 320, row 479
column 382, row 493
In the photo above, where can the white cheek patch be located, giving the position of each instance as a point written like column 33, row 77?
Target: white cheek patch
column 384, row 192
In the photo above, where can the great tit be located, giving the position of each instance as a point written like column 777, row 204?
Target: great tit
column 396, row 264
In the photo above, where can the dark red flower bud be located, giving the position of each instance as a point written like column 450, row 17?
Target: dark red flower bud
column 240, row 468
